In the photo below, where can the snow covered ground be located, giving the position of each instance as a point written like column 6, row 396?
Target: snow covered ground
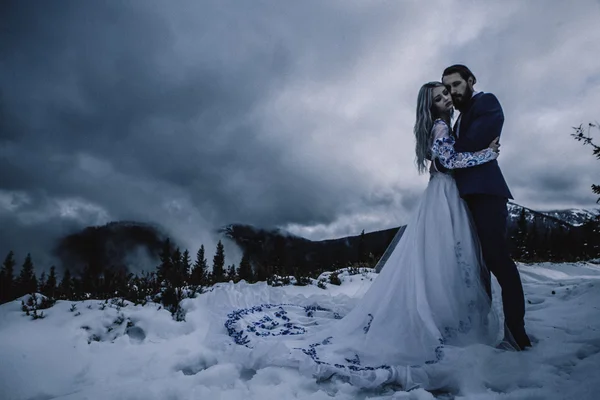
column 97, row 350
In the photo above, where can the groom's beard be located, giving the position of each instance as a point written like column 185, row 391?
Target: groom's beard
column 461, row 101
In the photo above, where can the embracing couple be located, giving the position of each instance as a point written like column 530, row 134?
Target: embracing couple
column 468, row 153
column 431, row 304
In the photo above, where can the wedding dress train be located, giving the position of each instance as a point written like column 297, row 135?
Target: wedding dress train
column 423, row 309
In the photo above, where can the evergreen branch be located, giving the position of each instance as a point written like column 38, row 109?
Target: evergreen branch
column 583, row 135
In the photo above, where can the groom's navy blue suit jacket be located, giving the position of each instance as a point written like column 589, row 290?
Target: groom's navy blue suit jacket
column 480, row 123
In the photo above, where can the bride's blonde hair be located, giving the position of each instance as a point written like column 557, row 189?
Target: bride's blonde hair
column 423, row 124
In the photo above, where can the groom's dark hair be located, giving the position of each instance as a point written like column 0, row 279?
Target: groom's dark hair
column 464, row 72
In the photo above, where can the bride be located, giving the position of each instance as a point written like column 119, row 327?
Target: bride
column 426, row 304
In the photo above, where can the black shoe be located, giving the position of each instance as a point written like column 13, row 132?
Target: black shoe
column 519, row 338
column 506, row 346
column 522, row 340
column 524, row 344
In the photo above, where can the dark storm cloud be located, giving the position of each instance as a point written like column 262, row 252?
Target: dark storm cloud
column 140, row 106
column 32, row 221
column 299, row 115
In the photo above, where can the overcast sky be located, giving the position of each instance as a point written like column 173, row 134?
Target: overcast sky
column 298, row 115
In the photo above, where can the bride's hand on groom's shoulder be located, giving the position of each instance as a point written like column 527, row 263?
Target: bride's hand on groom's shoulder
column 495, row 145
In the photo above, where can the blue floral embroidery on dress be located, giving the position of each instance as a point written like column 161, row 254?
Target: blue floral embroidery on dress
column 368, row 326
column 463, row 265
column 268, row 326
column 439, row 353
column 354, row 361
column 310, row 311
column 265, row 326
column 443, row 150
column 327, row 340
column 463, row 327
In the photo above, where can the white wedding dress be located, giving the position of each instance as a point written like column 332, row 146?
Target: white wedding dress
column 424, row 307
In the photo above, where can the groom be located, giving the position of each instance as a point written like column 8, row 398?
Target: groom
column 484, row 190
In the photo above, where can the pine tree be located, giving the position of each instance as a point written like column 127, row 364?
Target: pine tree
column 533, row 243
column 590, row 238
column 165, row 268
column 89, row 281
column 278, row 263
column 362, row 248
column 66, row 287
column 7, row 280
column 26, row 282
column 186, row 265
column 231, row 273
column 176, row 276
column 199, row 274
column 561, row 241
column 261, row 272
column 245, row 270
column 42, row 282
column 78, row 292
column 50, row 288
column 218, row 270
column 546, row 252
column 170, row 299
column 520, row 239
column 571, row 244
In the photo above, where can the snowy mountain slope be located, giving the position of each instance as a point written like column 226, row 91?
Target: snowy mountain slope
column 514, row 213
column 574, row 216
column 109, row 350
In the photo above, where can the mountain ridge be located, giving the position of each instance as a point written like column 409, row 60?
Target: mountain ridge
column 117, row 243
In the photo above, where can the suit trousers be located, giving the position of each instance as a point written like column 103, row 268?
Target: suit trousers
column 490, row 216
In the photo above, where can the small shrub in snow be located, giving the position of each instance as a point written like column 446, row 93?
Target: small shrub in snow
column 302, row 281
column 179, row 314
column 171, row 297
column 276, row 280
column 34, row 303
column 334, row 279
column 353, row 270
column 119, row 320
column 94, row 338
column 119, row 302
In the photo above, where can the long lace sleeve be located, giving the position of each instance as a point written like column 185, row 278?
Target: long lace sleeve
column 443, row 150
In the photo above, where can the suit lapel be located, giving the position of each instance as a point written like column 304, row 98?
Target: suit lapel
column 465, row 118
column 455, row 127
